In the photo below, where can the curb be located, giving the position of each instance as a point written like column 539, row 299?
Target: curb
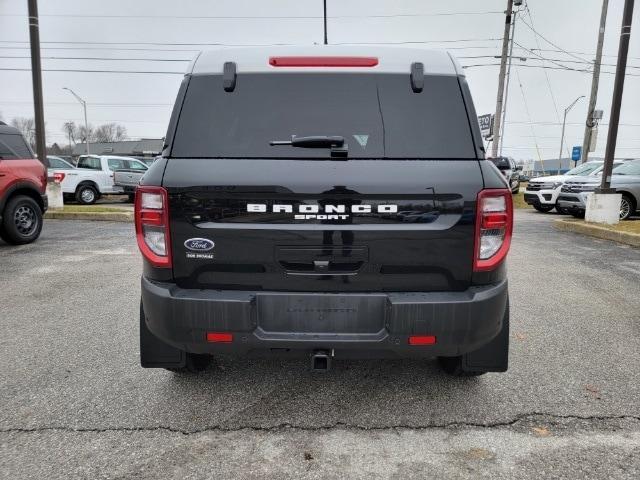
column 99, row 216
column 593, row 230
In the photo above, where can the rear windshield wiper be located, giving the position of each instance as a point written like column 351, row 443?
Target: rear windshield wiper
column 316, row 141
column 336, row 143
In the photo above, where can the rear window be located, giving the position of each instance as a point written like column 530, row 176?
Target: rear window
column 628, row 168
column 501, row 162
column 92, row 163
column 14, row 147
column 379, row 116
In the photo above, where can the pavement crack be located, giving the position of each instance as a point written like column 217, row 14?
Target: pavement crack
column 525, row 417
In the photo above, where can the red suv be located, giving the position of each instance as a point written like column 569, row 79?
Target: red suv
column 23, row 183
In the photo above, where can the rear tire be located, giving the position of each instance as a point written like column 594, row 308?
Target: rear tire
column 21, row 220
column 543, row 208
column 627, row 207
column 86, row 194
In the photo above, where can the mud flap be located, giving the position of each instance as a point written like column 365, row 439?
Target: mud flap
column 154, row 353
column 494, row 356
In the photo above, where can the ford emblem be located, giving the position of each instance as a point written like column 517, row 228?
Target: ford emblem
column 199, row 244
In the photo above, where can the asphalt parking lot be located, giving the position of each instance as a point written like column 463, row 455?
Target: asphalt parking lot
column 76, row 404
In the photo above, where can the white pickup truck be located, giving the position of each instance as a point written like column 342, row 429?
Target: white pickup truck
column 93, row 177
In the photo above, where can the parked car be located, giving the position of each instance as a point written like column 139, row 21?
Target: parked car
column 57, row 168
column 23, row 184
column 625, row 179
column 510, row 170
column 542, row 192
column 310, row 258
column 93, row 177
column 128, row 179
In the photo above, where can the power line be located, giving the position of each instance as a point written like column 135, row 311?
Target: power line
column 546, row 74
column 547, row 40
column 118, row 59
column 546, row 68
column 91, row 71
column 526, row 107
column 98, row 104
column 253, row 17
column 216, row 44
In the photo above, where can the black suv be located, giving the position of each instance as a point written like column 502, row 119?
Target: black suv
column 328, row 202
column 510, row 170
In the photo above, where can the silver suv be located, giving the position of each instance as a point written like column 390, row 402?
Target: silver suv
column 625, row 179
column 542, row 192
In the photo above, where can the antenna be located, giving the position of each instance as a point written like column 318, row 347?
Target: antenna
column 325, row 21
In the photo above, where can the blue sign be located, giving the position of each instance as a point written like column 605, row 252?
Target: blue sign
column 576, row 153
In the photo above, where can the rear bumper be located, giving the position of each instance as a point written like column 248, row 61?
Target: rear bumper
column 367, row 324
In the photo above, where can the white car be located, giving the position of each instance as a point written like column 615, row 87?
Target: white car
column 93, row 177
column 542, row 192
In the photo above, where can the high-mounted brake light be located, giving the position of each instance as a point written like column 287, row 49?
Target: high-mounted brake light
column 152, row 225
column 494, row 226
column 323, row 61
column 58, row 177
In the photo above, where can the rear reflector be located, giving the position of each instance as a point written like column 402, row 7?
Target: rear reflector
column 422, row 340
column 218, row 337
column 323, row 61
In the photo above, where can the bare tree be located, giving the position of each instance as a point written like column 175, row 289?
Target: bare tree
column 27, row 127
column 71, row 129
column 110, row 132
column 83, row 135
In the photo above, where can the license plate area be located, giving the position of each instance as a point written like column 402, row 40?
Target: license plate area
column 322, row 313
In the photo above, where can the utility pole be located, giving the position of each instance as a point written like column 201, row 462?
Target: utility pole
column 36, row 76
column 618, row 87
column 324, row 3
column 589, row 124
column 506, row 89
column 564, row 122
column 497, row 120
column 86, row 124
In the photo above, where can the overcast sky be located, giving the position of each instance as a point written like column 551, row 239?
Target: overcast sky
column 162, row 35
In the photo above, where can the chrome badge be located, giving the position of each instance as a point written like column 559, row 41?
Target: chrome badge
column 199, row 244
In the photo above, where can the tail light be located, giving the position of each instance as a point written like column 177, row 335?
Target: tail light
column 58, row 177
column 494, row 226
column 152, row 225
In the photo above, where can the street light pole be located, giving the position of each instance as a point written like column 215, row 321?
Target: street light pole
column 86, row 124
column 564, row 121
